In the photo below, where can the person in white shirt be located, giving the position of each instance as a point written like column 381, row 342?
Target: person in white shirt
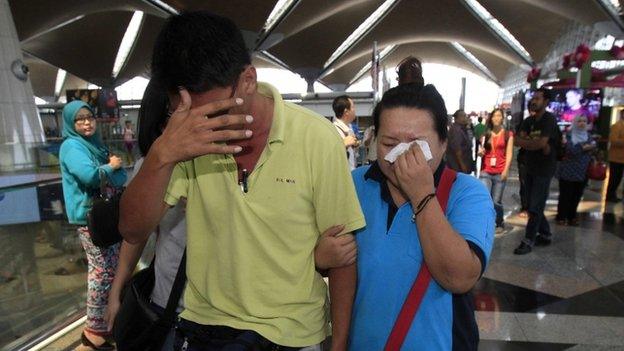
column 344, row 109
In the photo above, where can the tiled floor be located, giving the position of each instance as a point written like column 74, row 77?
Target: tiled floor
column 566, row 296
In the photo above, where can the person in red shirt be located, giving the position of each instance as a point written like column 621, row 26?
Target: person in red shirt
column 497, row 154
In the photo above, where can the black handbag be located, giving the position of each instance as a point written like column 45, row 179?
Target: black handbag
column 103, row 217
column 137, row 326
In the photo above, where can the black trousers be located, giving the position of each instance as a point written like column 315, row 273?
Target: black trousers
column 570, row 194
column 615, row 177
column 522, row 176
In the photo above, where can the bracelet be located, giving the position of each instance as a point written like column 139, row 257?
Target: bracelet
column 421, row 206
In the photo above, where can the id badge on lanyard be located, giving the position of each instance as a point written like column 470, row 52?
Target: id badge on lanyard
column 493, row 158
column 493, row 162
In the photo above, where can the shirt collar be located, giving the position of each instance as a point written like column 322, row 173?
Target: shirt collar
column 276, row 133
column 342, row 125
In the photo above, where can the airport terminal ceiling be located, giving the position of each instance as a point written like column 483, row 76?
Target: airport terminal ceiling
column 83, row 37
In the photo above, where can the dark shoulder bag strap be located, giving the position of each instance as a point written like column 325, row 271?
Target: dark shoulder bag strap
column 419, row 288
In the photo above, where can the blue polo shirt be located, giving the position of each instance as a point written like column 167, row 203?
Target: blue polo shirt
column 390, row 256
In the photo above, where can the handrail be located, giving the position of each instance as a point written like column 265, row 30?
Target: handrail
column 51, row 178
column 28, row 184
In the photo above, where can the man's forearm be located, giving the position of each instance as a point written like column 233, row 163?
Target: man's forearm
column 342, row 283
column 129, row 255
column 529, row 144
column 142, row 205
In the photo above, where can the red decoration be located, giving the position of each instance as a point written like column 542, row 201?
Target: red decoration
column 534, row 74
column 581, row 56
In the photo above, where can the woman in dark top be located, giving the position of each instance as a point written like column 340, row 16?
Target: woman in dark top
column 572, row 170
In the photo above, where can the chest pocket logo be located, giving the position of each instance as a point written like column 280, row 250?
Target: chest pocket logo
column 285, row 180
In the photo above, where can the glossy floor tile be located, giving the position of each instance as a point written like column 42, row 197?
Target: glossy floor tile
column 566, row 296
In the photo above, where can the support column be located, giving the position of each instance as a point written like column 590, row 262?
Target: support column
column 462, row 96
column 20, row 126
column 310, row 75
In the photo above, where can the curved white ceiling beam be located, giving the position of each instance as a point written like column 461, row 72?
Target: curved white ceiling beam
column 498, row 29
column 76, row 13
column 328, row 13
column 360, row 32
column 282, row 9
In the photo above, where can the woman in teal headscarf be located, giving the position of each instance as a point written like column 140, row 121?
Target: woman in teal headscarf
column 84, row 158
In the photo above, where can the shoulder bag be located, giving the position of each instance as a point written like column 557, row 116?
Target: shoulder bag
column 137, row 326
column 103, row 217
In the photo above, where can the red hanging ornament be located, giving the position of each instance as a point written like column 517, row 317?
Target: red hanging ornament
column 581, row 56
column 534, row 74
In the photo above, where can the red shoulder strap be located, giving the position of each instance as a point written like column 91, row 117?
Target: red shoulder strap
column 419, row 288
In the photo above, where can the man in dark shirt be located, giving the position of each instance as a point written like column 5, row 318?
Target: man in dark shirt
column 538, row 137
column 459, row 150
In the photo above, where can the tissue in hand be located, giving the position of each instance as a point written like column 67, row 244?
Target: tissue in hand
column 402, row 147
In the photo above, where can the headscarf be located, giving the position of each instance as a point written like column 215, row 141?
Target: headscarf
column 93, row 143
column 578, row 135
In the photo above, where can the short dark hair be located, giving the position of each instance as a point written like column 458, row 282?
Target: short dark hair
column 153, row 115
column 458, row 112
column 410, row 96
column 340, row 104
column 409, row 71
column 199, row 51
column 545, row 93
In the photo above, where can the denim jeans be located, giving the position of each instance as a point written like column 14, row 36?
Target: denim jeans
column 538, row 188
column 496, row 185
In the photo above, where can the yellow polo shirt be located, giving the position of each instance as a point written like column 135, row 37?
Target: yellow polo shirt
column 250, row 256
column 616, row 152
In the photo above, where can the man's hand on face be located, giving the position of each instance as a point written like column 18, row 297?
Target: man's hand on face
column 190, row 133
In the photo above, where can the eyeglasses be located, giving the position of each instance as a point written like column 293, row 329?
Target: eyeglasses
column 82, row 119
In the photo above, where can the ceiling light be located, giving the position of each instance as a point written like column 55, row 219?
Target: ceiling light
column 281, row 8
column 163, row 5
column 498, row 29
column 127, row 42
column 360, row 31
column 60, row 80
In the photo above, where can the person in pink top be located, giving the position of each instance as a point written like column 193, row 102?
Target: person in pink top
column 497, row 154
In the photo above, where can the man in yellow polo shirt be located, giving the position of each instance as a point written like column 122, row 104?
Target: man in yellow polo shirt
column 262, row 178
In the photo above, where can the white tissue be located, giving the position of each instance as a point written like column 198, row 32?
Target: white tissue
column 402, row 147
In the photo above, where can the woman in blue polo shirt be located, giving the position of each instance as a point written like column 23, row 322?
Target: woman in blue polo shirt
column 406, row 228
